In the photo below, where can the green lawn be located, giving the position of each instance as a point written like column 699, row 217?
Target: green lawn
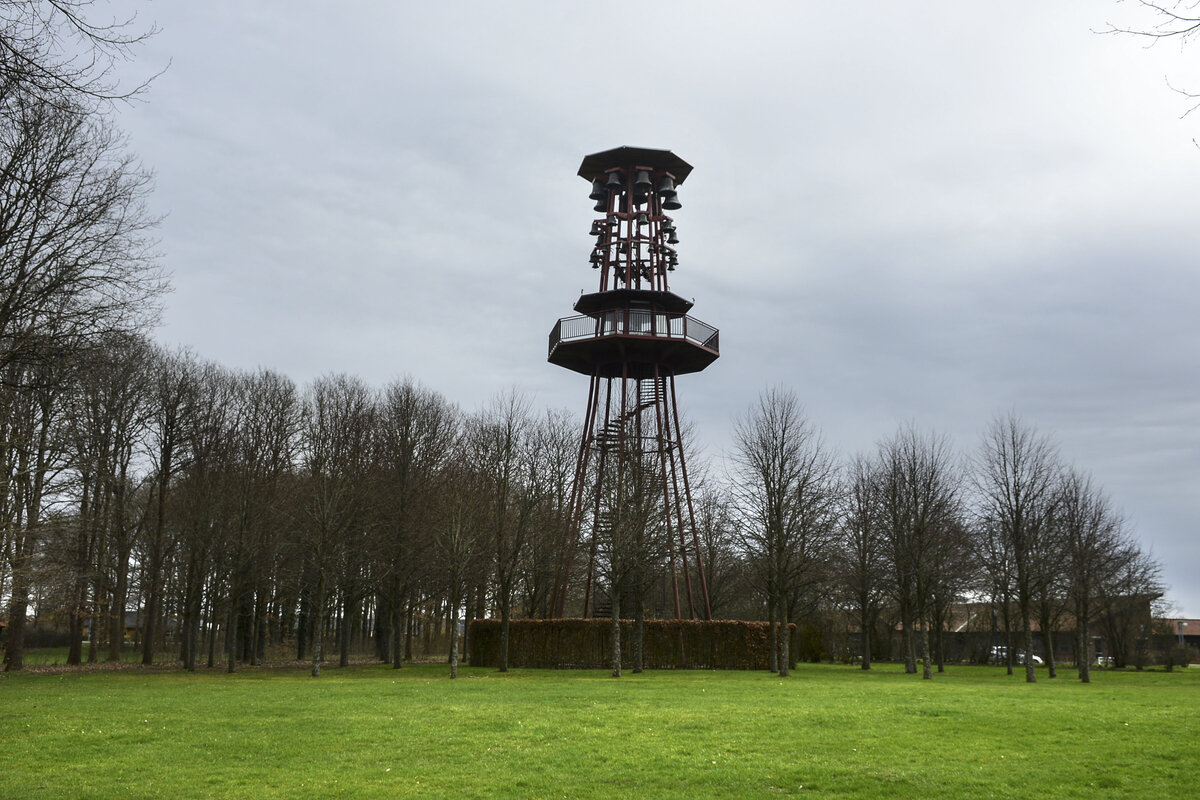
column 832, row 731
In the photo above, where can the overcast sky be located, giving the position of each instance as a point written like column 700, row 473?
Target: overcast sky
column 932, row 212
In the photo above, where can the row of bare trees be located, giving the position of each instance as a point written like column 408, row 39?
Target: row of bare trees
column 229, row 510
column 916, row 530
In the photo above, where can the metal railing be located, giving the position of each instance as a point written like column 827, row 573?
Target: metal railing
column 635, row 322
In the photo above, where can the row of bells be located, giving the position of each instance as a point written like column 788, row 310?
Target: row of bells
column 600, row 231
column 642, row 186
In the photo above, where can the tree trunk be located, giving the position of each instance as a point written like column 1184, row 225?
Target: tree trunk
column 785, row 642
column 773, row 658
column 79, row 612
column 116, row 627
column 865, row 626
column 926, row 659
column 399, row 635
column 318, row 625
column 408, row 630
column 344, row 632
column 1027, row 636
column 639, row 631
column 1083, row 644
column 616, row 631
column 14, row 652
column 231, row 638
column 909, row 643
column 454, row 640
column 1048, row 641
column 504, row 615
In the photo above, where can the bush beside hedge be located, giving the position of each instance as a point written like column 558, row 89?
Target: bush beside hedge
column 587, row 644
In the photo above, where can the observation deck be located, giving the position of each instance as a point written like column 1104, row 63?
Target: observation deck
column 627, row 333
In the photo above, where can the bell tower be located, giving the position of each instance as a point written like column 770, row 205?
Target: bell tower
column 631, row 515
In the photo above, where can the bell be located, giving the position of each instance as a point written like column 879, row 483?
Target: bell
column 672, row 239
column 601, row 204
column 666, row 187
column 597, row 228
column 642, row 184
column 643, row 218
column 615, row 183
column 598, row 192
column 671, row 203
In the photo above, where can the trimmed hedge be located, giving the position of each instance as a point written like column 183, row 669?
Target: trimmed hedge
column 587, row 644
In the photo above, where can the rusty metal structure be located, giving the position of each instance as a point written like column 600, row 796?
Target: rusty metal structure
column 631, row 507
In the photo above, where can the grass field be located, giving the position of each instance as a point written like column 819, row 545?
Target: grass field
column 371, row 731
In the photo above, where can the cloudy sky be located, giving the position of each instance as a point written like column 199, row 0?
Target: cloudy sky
column 928, row 212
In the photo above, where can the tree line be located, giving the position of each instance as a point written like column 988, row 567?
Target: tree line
column 913, row 531
column 231, row 511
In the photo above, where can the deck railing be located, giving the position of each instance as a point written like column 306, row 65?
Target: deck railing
column 635, row 322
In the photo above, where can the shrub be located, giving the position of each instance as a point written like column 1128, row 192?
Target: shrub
column 1180, row 655
column 587, row 644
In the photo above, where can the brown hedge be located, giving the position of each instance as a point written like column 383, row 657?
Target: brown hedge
column 587, row 644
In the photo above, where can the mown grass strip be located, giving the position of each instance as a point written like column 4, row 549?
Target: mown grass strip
column 373, row 731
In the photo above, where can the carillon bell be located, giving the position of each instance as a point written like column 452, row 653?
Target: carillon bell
column 598, row 191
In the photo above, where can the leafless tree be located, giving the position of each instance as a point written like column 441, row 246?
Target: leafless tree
column 198, row 502
column 716, row 526
column 63, row 52
column 862, row 548
column 918, row 495
column 336, row 457
column 1092, row 535
column 1178, row 21
column 786, row 490
column 76, row 261
column 416, row 429
column 502, row 449
column 1015, row 475
column 458, row 537
column 555, row 448
column 1126, row 600
column 32, row 461
column 264, row 424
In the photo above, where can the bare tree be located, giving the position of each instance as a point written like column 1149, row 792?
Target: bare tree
column 1178, row 21
column 863, row 563
column 716, row 525
column 457, row 535
column 198, row 501
column 1091, row 533
column 555, row 446
column 918, row 495
column 336, row 456
column 416, row 430
column 786, row 490
column 62, row 53
column 1016, row 473
column 76, row 262
column 502, row 450
column 32, row 459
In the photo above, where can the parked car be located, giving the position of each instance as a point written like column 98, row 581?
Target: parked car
column 999, row 655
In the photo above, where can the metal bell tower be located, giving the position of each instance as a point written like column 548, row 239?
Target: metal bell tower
column 631, row 506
